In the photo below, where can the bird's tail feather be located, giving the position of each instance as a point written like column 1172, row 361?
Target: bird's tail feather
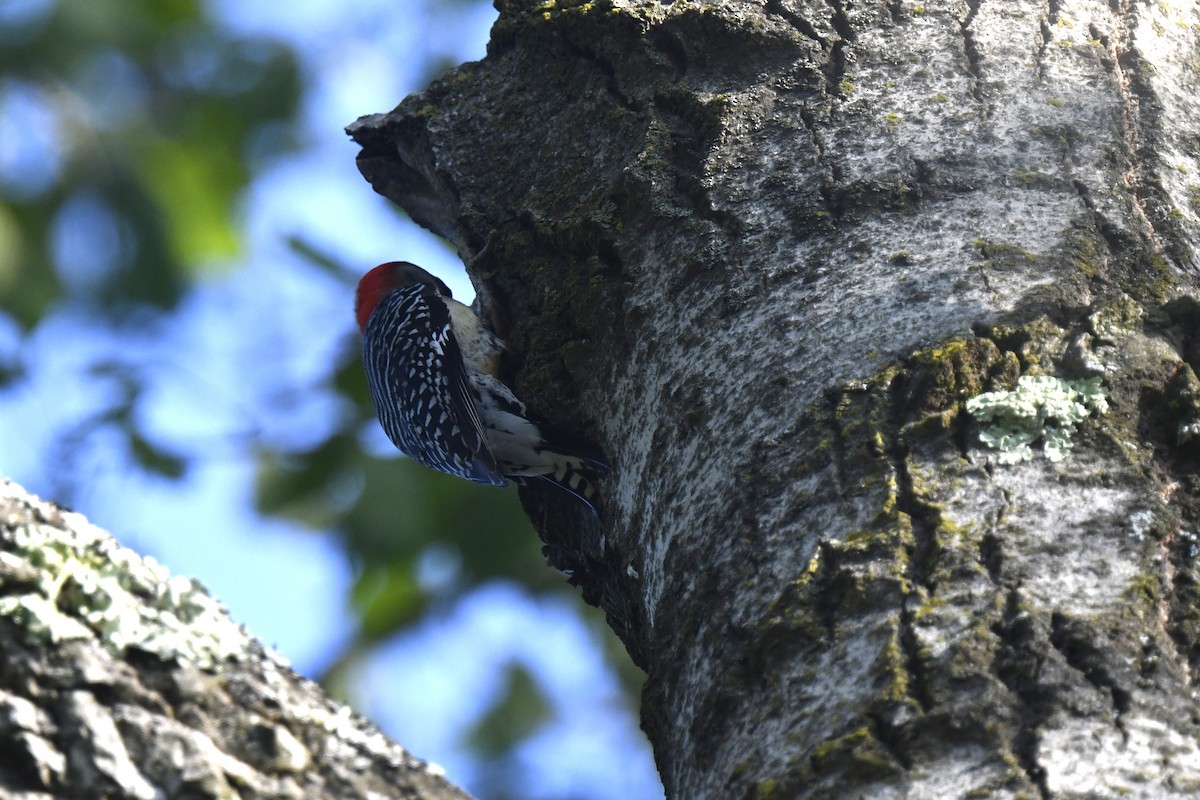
column 575, row 482
column 575, row 466
column 565, row 443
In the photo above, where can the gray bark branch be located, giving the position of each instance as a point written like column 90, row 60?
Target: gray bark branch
column 119, row 681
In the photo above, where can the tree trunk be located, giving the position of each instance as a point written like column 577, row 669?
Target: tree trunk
column 118, row 681
column 763, row 253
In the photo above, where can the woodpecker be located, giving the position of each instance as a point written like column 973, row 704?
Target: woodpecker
column 434, row 372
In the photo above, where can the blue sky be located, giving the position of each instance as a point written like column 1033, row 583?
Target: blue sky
column 287, row 584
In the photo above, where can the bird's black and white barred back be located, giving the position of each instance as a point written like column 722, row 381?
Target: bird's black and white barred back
column 433, row 369
column 417, row 379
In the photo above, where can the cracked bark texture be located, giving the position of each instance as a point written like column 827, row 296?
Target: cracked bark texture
column 80, row 720
column 762, row 252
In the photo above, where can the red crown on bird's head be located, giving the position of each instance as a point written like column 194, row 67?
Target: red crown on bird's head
column 376, row 284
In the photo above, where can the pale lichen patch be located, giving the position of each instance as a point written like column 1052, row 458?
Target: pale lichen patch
column 1041, row 407
column 80, row 584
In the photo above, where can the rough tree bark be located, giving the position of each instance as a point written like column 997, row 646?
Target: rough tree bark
column 118, row 681
column 763, row 252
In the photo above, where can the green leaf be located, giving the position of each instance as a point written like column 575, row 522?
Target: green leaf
column 154, row 459
column 520, row 711
column 28, row 286
column 194, row 184
column 318, row 256
column 301, row 487
column 350, row 379
column 387, row 597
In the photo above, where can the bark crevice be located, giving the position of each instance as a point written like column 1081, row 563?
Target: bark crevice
column 919, row 552
column 974, row 60
column 1018, row 663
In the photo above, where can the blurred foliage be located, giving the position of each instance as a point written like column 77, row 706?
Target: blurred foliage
column 133, row 126
column 521, row 709
column 129, row 130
